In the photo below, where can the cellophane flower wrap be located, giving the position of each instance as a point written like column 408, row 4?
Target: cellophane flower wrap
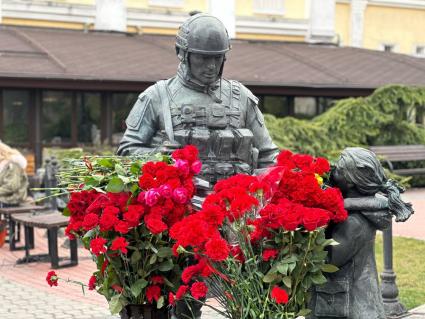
column 123, row 213
column 259, row 241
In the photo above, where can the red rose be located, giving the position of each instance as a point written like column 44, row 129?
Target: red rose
column 52, row 278
column 92, row 283
column 120, row 244
column 270, row 254
column 199, row 290
column 153, row 293
column 279, row 295
column 314, row 218
column 180, row 195
column 97, row 245
column 217, row 249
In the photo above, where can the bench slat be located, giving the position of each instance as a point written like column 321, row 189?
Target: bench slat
column 49, row 220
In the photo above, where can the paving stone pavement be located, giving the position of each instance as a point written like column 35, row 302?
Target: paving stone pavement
column 18, row 301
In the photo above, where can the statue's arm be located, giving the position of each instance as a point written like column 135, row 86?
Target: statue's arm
column 142, row 124
column 262, row 140
column 371, row 203
column 349, row 235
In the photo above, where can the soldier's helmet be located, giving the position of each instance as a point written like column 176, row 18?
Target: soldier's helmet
column 204, row 34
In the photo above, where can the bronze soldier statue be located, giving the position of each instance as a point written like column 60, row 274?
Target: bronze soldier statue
column 199, row 107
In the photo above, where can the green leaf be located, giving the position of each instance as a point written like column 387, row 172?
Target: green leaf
column 115, row 185
column 165, row 252
column 329, row 268
column 166, row 265
column 270, row 278
column 138, row 286
column 119, row 169
column 135, row 168
column 304, row 312
column 318, row 279
column 135, row 257
column 287, row 281
column 115, row 304
column 152, row 260
column 106, row 162
column 283, row 269
column 160, row 302
column 291, row 259
column 66, row 212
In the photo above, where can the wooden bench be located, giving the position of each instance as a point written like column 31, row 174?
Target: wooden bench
column 13, row 228
column 401, row 153
column 51, row 220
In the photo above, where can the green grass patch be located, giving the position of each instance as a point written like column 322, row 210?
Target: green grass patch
column 409, row 266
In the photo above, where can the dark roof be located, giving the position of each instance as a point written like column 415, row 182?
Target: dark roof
column 55, row 54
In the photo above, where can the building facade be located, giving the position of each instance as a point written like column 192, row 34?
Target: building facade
column 386, row 25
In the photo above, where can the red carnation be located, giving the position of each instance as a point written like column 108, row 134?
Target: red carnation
column 157, row 280
column 199, row 290
column 181, row 292
column 108, row 220
column 270, row 254
column 153, row 293
column 120, row 244
column 52, row 278
column 217, row 249
column 97, row 245
column 279, row 295
column 122, row 227
column 171, row 298
column 92, row 283
column 90, row 221
column 155, row 225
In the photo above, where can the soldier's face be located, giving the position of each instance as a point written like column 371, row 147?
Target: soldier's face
column 205, row 68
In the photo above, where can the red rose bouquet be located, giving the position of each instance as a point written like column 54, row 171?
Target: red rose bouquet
column 259, row 241
column 123, row 211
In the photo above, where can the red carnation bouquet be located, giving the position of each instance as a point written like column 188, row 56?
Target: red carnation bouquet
column 259, row 241
column 123, row 211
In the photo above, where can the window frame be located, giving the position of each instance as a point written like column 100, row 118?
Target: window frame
column 259, row 8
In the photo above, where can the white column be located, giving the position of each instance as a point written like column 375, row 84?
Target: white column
column 0, row 12
column 111, row 15
column 322, row 21
column 225, row 11
column 358, row 8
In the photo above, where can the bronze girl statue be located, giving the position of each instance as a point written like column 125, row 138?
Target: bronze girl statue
column 353, row 291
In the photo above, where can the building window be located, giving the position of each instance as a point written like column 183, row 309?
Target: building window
column 121, row 107
column 167, row 3
column 56, row 118
column 268, row 6
column 88, row 118
column 16, row 104
column 420, row 51
column 305, row 107
column 386, row 47
column 278, row 106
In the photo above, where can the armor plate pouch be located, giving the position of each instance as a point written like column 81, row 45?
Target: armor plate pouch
column 243, row 145
column 223, row 145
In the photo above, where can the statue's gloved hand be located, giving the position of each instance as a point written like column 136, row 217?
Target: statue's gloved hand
column 169, row 147
column 372, row 203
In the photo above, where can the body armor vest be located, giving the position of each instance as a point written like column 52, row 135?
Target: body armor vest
column 225, row 148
